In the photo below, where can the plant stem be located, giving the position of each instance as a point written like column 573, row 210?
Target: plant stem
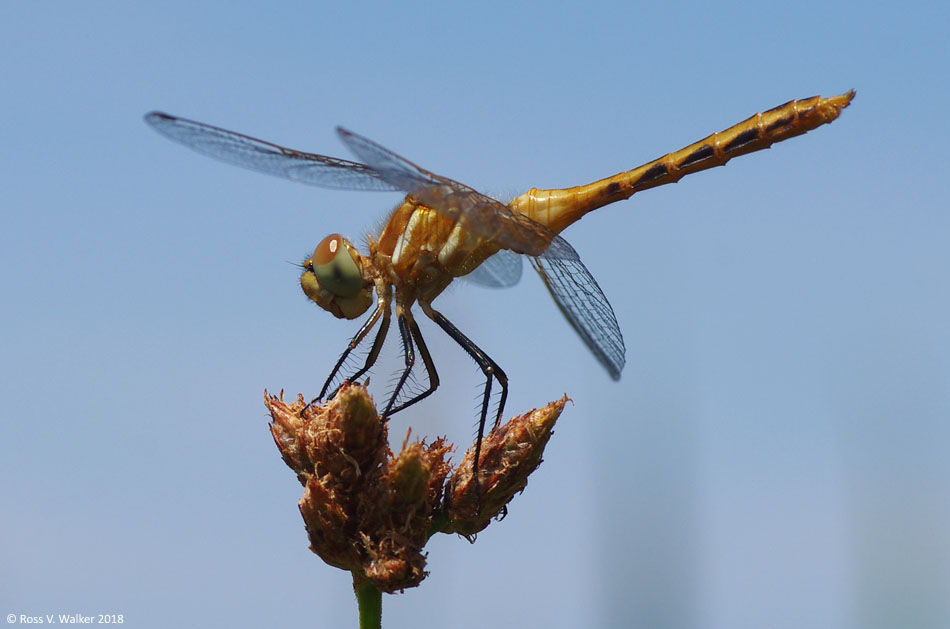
column 370, row 603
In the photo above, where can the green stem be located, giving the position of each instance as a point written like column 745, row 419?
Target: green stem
column 370, row 603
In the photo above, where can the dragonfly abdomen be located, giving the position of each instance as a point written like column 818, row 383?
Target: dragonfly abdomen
column 559, row 208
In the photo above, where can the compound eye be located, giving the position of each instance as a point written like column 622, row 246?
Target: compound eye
column 335, row 266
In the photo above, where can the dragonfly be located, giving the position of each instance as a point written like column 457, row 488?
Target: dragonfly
column 443, row 230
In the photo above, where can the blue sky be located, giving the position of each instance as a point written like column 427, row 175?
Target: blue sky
column 775, row 453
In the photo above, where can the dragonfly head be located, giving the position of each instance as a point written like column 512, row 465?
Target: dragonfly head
column 333, row 278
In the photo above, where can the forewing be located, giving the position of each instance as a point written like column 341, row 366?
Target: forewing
column 264, row 157
column 398, row 171
column 499, row 271
column 586, row 308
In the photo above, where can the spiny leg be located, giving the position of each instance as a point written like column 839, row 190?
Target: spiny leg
column 491, row 370
column 410, row 359
column 426, row 361
column 382, row 310
column 488, row 366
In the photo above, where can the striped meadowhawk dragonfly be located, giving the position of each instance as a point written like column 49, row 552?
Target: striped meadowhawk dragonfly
column 443, row 230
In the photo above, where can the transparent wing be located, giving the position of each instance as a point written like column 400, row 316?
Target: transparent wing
column 483, row 216
column 264, row 157
column 395, row 170
column 384, row 170
column 499, row 271
column 586, row 308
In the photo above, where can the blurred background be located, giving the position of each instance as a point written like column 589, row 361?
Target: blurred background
column 775, row 455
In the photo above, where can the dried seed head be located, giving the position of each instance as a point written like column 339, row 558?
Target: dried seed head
column 370, row 512
column 365, row 510
column 336, row 441
column 334, row 449
column 509, row 454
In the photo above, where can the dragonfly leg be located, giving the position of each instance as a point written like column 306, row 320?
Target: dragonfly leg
column 492, row 372
column 415, row 335
column 410, row 358
column 381, row 312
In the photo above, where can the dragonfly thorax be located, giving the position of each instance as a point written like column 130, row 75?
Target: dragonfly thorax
column 333, row 278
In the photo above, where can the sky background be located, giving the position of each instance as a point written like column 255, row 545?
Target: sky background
column 775, row 454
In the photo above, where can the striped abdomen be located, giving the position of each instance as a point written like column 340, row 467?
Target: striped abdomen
column 559, row 208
